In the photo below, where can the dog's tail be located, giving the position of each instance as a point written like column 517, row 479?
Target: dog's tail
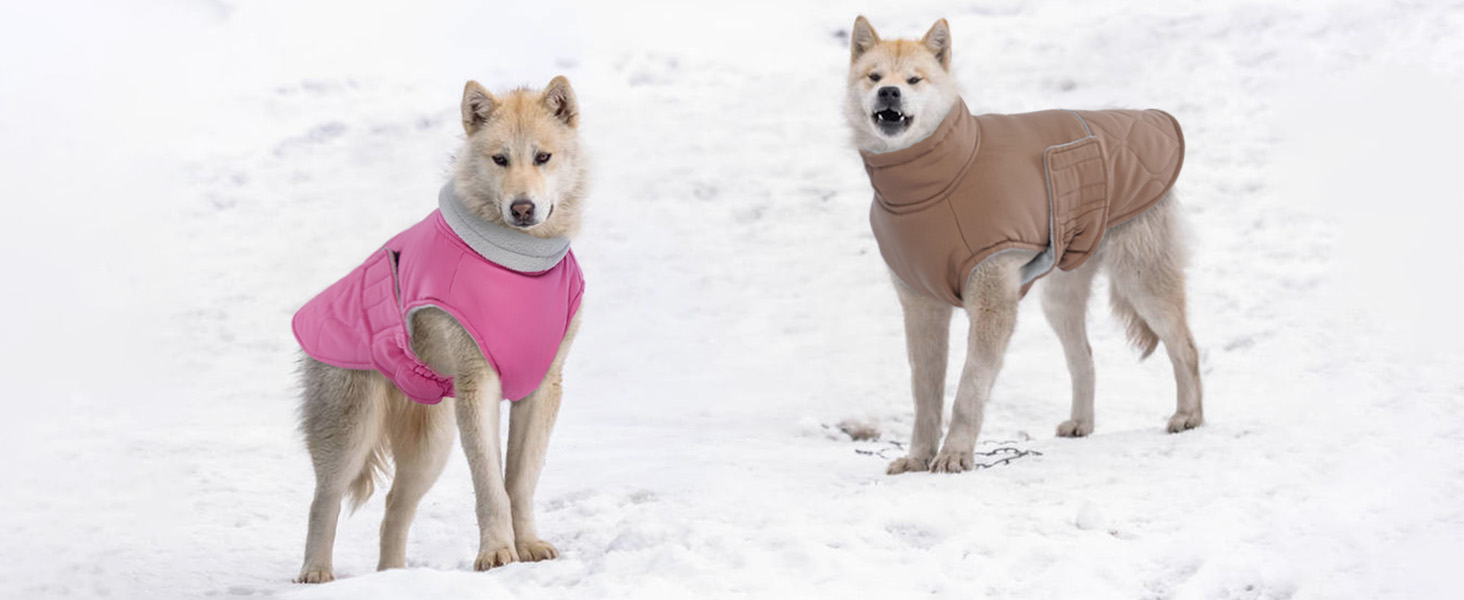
column 1140, row 334
column 365, row 483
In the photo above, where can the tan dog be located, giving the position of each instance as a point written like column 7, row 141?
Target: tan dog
column 520, row 168
column 898, row 93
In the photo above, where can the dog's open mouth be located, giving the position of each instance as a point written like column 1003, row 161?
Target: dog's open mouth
column 891, row 121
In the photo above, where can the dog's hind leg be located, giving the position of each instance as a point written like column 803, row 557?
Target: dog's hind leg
column 530, row 421
column 1065, row 302
column 421, row 437
column 341, row 417
column 1145, row 259
column 927, row 342
column 991, row 295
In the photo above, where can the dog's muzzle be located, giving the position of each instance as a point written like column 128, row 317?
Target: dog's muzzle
column 888, row 114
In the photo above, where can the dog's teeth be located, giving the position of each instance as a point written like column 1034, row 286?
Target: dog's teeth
column 890, row 116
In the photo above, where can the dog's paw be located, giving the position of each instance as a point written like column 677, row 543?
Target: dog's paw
column 315, row 575
column 536, row 550
column 906, row 464
column 1072, row 428
column 1184, row 421
column 497, row 557
column 952, row 461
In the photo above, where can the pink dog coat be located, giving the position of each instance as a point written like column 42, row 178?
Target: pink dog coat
column 517, row 317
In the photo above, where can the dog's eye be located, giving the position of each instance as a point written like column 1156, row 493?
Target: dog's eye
column 500, row 160
column 542, row 158
column 874, row 76
column 913, row 80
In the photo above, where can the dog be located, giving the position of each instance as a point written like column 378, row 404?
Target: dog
column 901, row 93
column 511, row 204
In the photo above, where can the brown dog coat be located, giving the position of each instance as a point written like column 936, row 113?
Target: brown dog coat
column 1052, row 181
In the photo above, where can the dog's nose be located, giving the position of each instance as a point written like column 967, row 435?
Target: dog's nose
column 523, row 209
column 889, row 92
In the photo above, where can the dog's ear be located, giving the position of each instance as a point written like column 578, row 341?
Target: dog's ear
column 938, row 40
column 559, row 97
column 862, row 38
column 478, row 105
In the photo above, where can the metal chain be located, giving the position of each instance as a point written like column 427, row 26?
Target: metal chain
column 1007, row 453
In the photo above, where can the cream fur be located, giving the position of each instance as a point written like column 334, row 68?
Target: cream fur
column 518, row 126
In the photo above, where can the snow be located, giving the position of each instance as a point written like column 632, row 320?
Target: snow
column 180, row 175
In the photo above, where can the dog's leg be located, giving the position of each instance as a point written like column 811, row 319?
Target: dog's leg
column 1145, row 263
column 529, row 422
column 341, row 413
column 1159, row 301
column 1170, row 323
column 990, row 299
column 421, row 437
column 927, row 343
column 479, row 394
column 1065, row 302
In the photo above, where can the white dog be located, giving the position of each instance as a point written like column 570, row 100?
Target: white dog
column 900, row 94
column 477, row 302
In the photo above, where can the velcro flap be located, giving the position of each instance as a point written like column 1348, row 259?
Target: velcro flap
column 1077, row 182
column 379, row 292
column 390, row 349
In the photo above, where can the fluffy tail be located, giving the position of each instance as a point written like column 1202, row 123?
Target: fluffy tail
column 365, row 483
column 1139, row 334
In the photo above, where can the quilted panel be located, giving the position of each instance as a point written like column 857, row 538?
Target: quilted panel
column 1145, row 150
column 326, row 327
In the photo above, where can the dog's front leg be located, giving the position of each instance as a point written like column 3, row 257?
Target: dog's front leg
column 529, row 423
column 927, row 342
column 479, row 394
column 991, row 304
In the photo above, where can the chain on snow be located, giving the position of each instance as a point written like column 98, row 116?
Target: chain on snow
column 1003, row 454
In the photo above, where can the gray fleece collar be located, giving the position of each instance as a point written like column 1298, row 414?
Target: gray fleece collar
column 507, row 247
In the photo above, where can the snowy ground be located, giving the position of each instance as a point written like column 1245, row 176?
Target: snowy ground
column 180, row 175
